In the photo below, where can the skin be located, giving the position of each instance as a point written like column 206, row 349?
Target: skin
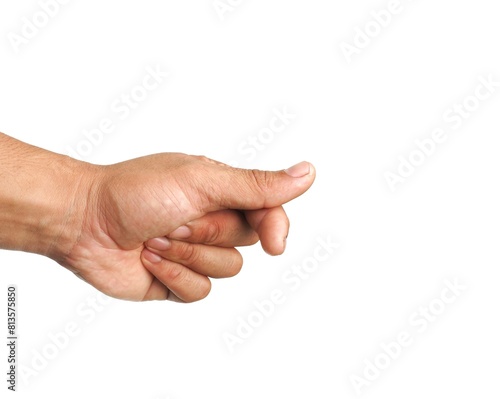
column 151, row 228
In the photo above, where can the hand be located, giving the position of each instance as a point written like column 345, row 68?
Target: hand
column 194, row 201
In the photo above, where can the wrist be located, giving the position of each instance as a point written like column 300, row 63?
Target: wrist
column 43, row 199
column 66, row 200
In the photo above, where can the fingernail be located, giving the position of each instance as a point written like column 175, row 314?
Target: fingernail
column 153, row 258
column 159, row 243
column 180, row 233
column 300, row 170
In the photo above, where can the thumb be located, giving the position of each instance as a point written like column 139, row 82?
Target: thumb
column 247, row 189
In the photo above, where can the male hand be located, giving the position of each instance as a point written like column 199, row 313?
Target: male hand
column 205, row 208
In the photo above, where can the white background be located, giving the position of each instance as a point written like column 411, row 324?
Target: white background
column 353, row 121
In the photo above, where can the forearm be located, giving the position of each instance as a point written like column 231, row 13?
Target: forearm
column 40, row 205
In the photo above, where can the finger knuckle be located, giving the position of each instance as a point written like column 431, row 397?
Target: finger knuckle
column 201, row 291
column 262, row 178
column 211, row 233
column 188, row 253
column 254, row 238
column 236, row 264
column 204, row 289
column 203, row 158
column 174, row 274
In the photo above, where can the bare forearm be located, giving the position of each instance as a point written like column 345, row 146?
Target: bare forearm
column 39, row 205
